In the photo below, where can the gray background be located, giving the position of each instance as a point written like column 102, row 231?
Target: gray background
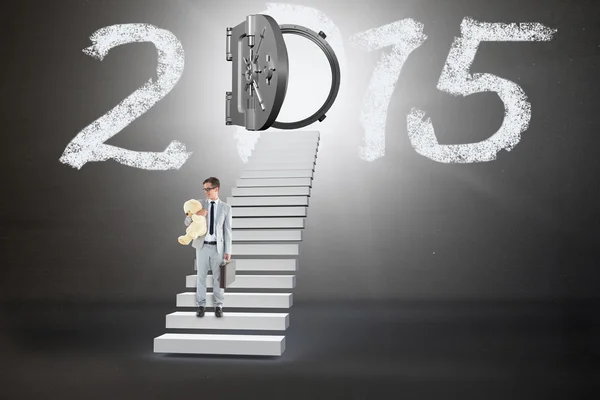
column 401, row 227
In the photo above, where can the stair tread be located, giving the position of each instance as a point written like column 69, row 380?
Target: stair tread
column 270, row 182
column 265, row 264
column 212, row 336
column 256, row 276
column 269, row 211
column 220, row 344
column 244, row 294
column 270, row 191
column 232, row 314
column 268, row 222
column 275, row 321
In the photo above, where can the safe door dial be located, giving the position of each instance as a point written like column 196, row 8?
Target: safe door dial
column 260, row 68
column 259, row 72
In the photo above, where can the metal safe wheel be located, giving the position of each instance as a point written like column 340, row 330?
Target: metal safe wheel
column 260, row 73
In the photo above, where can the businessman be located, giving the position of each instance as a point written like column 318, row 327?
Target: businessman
column 214, row 247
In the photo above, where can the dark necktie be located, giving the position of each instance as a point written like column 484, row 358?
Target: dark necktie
column 212, row 217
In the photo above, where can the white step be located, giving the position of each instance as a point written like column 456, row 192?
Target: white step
column 285, row 148
column 270, row 166
column 250, row 282
column 267, row 223
column 269, row 264
column 230, row 320
column 266, row 235
column 286, row 135
column 265, row 249
column 265, row 264
column 268, row 201
column 291, row 151
column 287, row 141
column 284, row 154
column 242, row 212
column 299, row 144
column 264, row 141
column 274, row 163
column 278, row 173
column 270, row 191
column 246, row 345
column 278, row 158
column 288, row 138
column 292, row 144
column 289, row 133
column 261, row 182
column 240, row 300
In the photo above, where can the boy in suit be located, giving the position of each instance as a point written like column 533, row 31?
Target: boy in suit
column 214, row 247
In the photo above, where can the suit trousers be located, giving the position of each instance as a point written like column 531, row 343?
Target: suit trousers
column 207, row 258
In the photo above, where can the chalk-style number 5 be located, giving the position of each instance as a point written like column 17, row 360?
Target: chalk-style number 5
column 456, row 80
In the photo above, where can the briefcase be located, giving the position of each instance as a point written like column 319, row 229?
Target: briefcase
column 227, row 270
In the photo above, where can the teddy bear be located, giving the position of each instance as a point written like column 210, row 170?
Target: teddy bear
column 198, row 225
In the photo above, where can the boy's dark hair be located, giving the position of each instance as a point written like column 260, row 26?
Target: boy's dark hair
column 213, row 181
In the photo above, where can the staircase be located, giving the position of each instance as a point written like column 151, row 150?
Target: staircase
column 269, row 203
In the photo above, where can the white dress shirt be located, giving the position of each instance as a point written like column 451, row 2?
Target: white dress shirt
column 213, row 237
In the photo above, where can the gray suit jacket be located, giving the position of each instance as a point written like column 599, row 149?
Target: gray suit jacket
column 223, row 224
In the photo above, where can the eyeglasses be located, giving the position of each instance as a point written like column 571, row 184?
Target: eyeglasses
column 208, row 189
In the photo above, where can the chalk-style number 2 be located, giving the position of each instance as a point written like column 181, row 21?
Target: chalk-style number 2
column 88, row 145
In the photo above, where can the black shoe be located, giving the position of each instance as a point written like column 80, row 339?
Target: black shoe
column 200, row 312
column 219, row 312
